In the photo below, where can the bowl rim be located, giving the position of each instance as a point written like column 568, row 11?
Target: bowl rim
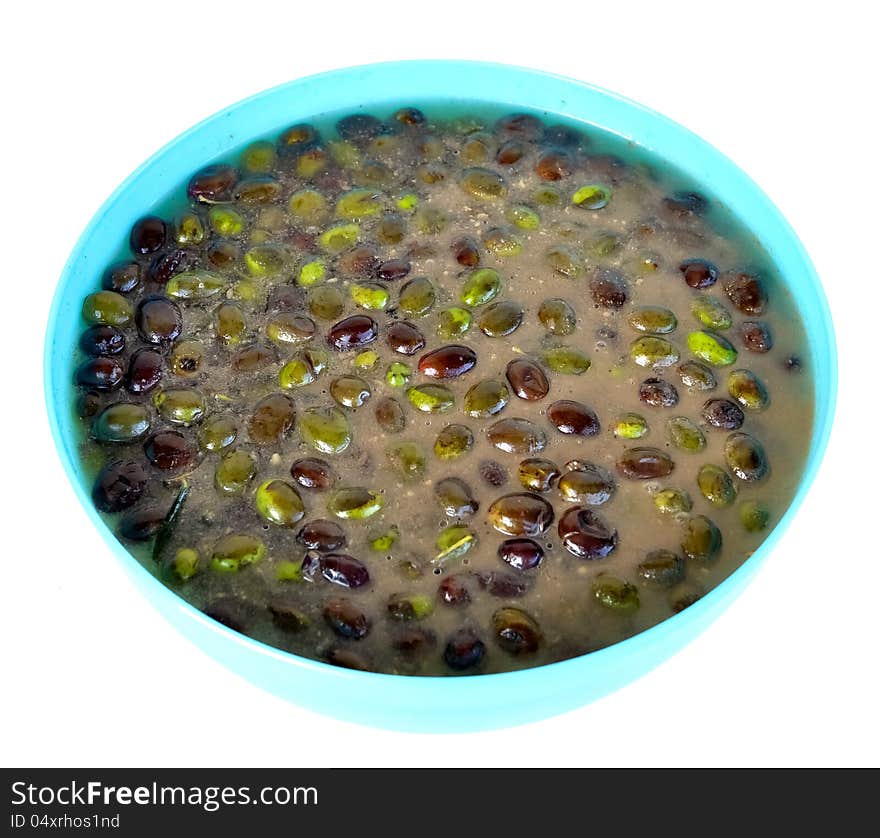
column 455, row 688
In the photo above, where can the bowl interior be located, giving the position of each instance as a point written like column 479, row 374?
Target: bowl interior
column 431, row 703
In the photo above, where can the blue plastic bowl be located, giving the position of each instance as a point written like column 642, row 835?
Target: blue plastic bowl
column 420, row 703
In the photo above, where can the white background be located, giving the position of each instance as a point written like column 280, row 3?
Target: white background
column 92, row 675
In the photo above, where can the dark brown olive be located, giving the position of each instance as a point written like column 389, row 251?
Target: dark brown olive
column 170, row 451
column 389, row 415
column 313, row 473
column 100, row 374
column 504, row 585
column 571, row 417
column 142, row 524
column 464, row 649
column 147, row 235
column 521, row 553
column 360, row 261
column 102, row 340
column 165, row 265
column 392, row 269
column 746, row 292
column 662, row 569
column 608, row 288
column 213, row 184
column 119, row 485
column 466, row 251
column 516, row 631
column 448, row 361
column 347, row 659
column 755, row 336
column 510, row 152
column 359, row 126
column 144, row 371
column 527, row 379
column 223, row 254
column 521, row 125
column 409, row 116
column 322, row 535
column 353, row 332
column 493, row 473
column 345, row 570
column 230, row 611
column 723, row 414
column 698, row 273
column 454, row 590
column 520, row 513
column 254, row 358
column 413, row 639
column 645, row 463
column 404, row 338
column 286, row 615
column 683, row 204
column 658, row 393
column 121, row 278
column 585, row 534
column 514, row 435
column 554, row 164
column 346, row 619
column 272, row 419
column 158, row 320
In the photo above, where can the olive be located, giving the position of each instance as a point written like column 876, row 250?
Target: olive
column 353, row 332
column 746, row 457
column 287, row 616
column 464, row 649
column 698, row 273
column 448, row 361
column 585, row 534
column 253, row 358
column 754, row 516
column 186, row 357
column 408, row 460
column 323, row 536
column 453, row 543
column 213, row 185
column 404, row 338
column 557, row 317
column 398, row 374
column 476, row 148
column 142, row 524
column 701, row 540
column 303, row 368
column 747, row 293
column 344, row 570
column 326, row 429
column 297, row 138
column 482, row 183
column 107, row 308
column 347, row 658
column 165, row 266
column 392, row 269
column 346, row 619
column 360, row 127
column 588, row 483
column 520, row 125
column 724, row 414
column 516, row 631
column 308, row 206
column 100, row 373
column 711, row 313
column 391, row 230
column 453, row 441
column 218, row 433
column 122, row 277
column 231, row 612
column 356, row 503
column 521, row 553
column 755, row 336
column 287, row 328
column 279, row 503
column 685, row 435
column 266, row 260
column 616, row 594
column 147, row 235
column 409, row 116
column 455, row 497
column 258, row 157
column 312, row 473
column 189, row 229
column 631, row 426
column 510, row 152
column 158, row 320
column 326, row 302
column 486, row 398
column 466, row 251
column 235, row 551
column 645, row 463
column 121, row 422
column 658, row 393
column 653, row 320
column 452, row 322
column 711, row 348
column 520, row 513
column 547, row 196
column 566, row 360
column 500, row 318
column 183, row 406
column 716, row 485
column 480, row 287
column 537, row 475
column 672, row 501
column 118, row 486
column 358, row 204
column 493, row 473
column 527, row 379
column 650, row 351
column 564, row 261
column 389, row 415
column 405, row 607
column 501, row 242
column 748, row 390
column 571, row 417
column 102, row 340
column 234, row 471
column 662, row 569
column 144, row 371
column 170, row 451
column 516, row 436
column 430, row 398
column 195, row 285
column 504, row 585
column 350, row 391
column 413, row 639
column 226, row 222
column 366, row 361
column 454, row 591
column 697, row 376
column 608, row 288
column 554, row 164
column 593, row 196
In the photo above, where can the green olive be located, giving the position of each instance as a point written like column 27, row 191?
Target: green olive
column 746, row 457
column 711, row 348
column 716, row 485
column 616, row 594
column 297, row 372
column 557, row 317
column 355, row 503
column 311, row 273
column 230, row 324
column 431, row 398
column 748, row 390
column 404, row 607
column 429, row 221
column 711, row 313
column 537, row 475
column 501, row 242
column 650, row 351
column 685, row 435
column 385, row 540
column 417, row 297
column 309, row 206
column 523, row 216
column 398, row 374
column 453, row 441
column 189, row 230
column 186, row 357
column 662, row 569
column 369, row 295
column 195, row 285
column 673, row 501
column 339, row 237
column 358, row 204
column 701, row 540
column 453, row 543
column 225, row 221
column 180, row 406
column 480, row 287
column 486, row 398
column 265, row 260
column 258, row 157
column 483, row 183
column 121, row 422
column 235, row 551
column 408, row 460
column 564, row 261
column 218, row 433
column 185, row 563
column 566, row 360
column 234, row 471
column 653, row 320
column 605, row 245
column 325, row 429
column 279, row 503
column 630, row 426
column 593, row 196
column 366, row 361
column 107, row 308
column 754, row 516
column 452, row 322
column 326, row 302
column 287, row 328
